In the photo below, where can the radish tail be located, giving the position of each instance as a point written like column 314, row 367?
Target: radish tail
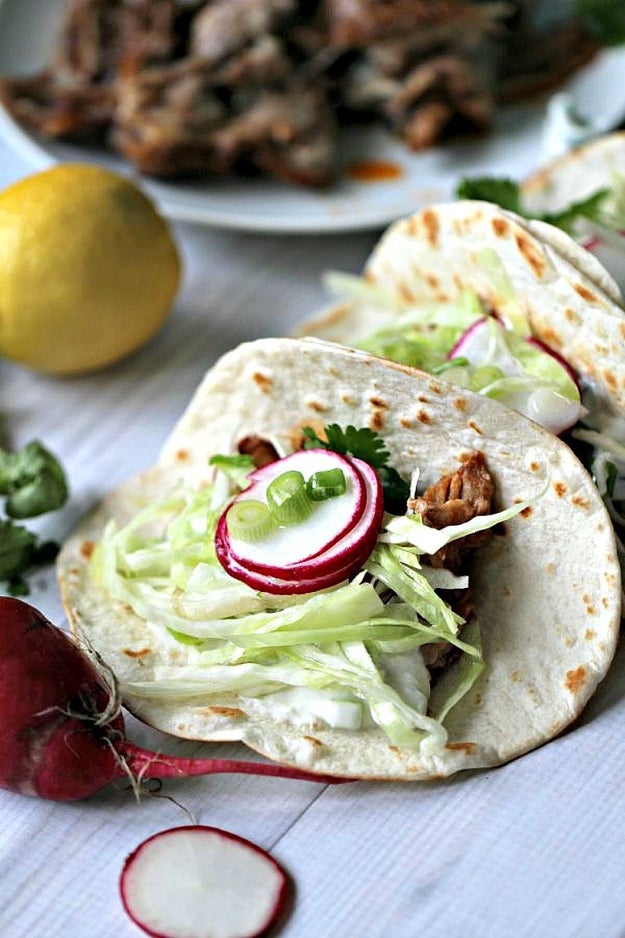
column 142, row 763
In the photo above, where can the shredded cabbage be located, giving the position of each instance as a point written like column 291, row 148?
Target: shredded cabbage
column 348, row 656
column 519, row 373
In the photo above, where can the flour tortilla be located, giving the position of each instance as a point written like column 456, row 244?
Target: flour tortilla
column 547, row 592
column 576, row 175
column 437, row 253
column 573, row 177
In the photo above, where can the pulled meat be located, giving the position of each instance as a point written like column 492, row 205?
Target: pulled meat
column 362, row 22
column 442, row 94
column 224, row 27
column 260, row 450
column 63, row 109
column 455, row 499
column 214, row 87
column 101, row 36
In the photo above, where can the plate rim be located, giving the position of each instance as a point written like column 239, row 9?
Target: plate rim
column 293, row 218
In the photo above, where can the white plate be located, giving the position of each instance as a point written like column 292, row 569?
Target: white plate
column 514, row 148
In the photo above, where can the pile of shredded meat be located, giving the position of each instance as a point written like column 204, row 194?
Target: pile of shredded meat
column 183, row 87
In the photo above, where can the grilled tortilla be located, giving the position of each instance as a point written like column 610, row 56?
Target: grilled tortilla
column 546, row 590
column 576, row 175
column 597, row 166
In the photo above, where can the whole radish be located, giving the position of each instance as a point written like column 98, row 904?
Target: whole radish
column 61, row 732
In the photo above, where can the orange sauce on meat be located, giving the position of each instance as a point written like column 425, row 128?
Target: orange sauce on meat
column 373, row 171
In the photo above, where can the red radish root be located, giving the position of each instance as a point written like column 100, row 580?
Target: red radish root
column 62, row 731
column 202, row 882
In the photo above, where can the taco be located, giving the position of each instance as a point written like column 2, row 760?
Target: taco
column 512, row 309
column 475, row 626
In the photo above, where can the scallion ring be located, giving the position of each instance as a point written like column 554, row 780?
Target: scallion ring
column 327, row 483
column 250, row 520
column 485, row 375
column 288, row 499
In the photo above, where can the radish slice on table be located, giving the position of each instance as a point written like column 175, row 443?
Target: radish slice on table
column 521, row 372
column 202, row 882
column 322, row 550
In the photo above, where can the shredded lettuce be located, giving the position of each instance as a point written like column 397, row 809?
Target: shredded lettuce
column 410, row 529
column 520, row 374
column 607, row 466
column 468, row 670
column 419, row 336
column 236, row 468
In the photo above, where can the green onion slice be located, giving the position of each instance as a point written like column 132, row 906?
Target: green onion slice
column 485, row 375
column 327, row 483
column 288, row 499
column 250, row 520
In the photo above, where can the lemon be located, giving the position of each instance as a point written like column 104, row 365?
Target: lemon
column 88, row 269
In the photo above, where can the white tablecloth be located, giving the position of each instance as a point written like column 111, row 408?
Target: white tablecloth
column 535, row 848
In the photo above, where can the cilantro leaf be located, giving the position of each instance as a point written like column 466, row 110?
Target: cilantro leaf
column 586, row 208
column 396, row 490
column 507, row 194
column 367, row 445
column 605, row 19
column 503, row 192
column 363, row 443
column 32, row 480
column 20, row 551
column 17, row 548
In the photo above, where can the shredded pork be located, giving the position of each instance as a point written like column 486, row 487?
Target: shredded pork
column 454, row 499
column 213, row 87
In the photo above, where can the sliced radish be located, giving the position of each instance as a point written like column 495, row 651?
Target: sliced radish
column 202, row 882
column 474, row 343
column 330, row 520
column 267, row 583
column 609, row 249
column 483, row 346
column 306, row 563
column 337, row 553
column 480, row 344
column 538, row 343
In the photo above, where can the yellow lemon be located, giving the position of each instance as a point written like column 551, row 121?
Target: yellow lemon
column 88, row 269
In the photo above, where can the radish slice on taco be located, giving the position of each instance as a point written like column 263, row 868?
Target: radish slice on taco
column 470, row 622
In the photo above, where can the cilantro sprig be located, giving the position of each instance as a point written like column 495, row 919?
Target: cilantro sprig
column 32, row 482
column 367, row 445
column 507, row 194
column 605, row 19
column 237, row 468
